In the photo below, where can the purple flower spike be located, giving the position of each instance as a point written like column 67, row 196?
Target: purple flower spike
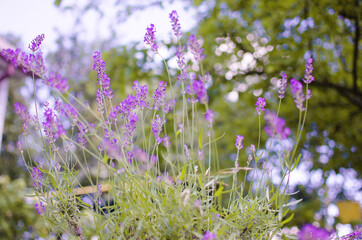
column 176, row 27
column 157, row 125
column 35, row 44
column 260, row 105
column 239, row 142
column 40, row 208
column 355, row 235
column 102, row 78
column 199, row 90
column 159, row 95
column 297, row 92
column 275, row 126
column 282, row 85
column 181, row 63
column 150, row 38
column 209, row 117
column 196, row 50
column 209, row 236
column 308, row 77
column 57, row 81
column 309, row 232
column 98, row 195
column 36, row 175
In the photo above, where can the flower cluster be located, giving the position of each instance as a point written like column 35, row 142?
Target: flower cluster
column 53, row 129
column 297, row 92
column 209, row 117
column 34, row 63
column 35, row 44
column 199, row 90
column 150, row 38
column 282, row 85
column 56, row 81
column 181, row 63
column 103, row 80
column 159, row 95
column 157, row 125
column 239, row 142
column 308, row 77
column 176, row 27
column 209, row 236
column 308, row 231
column 355, row 235
column 260, row 105
column 40, row 208
column 36, row 175
column 196, row 50
column 275, row 126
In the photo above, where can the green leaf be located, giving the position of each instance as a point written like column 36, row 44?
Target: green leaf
column 219, row 191
column 183, row 172
column 200, row 180
column 57, row 2
column 200, row 138
column 288, row 219
column 85, row 204
column 292, row 203
column 296, row 162
column 177, row 133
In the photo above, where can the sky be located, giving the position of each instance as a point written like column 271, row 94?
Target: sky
column 27, row 19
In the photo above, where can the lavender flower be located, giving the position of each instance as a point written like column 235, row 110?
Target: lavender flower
column 310, row 232
column 102, row 78
column 260, row 105
column 40, row 208
column 200, row 91
column 355, row 235
column 187, row 152
column 141, row 94
column 11, row 56
column 129, row 129
column 309, row 94
column 127, row 106
column 196, row 50
column 166, row 141
column 56, row 81
column 113, row 114
column 176, row 27
column 35, row 44
column 209, row 117
column 181, row 63
column 239, row 142
column 308, row 77
column 282, row 85
column 297, row 92
column 275, row 126
column 98, row 194
column 81, row 135
column 34, row 63
column 29, row 63
column 150, row 38
column 209, row 236
column 159, row 95
column 169, row 106
column 53, row 129
column 24, row 115
column 157, row 128
column 36, row 175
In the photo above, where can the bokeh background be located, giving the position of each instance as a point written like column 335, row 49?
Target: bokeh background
column 248, row 44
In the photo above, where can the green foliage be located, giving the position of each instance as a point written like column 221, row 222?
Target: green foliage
column 17, row 216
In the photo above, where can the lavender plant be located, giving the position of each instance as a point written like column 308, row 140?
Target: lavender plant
column 147, row 167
